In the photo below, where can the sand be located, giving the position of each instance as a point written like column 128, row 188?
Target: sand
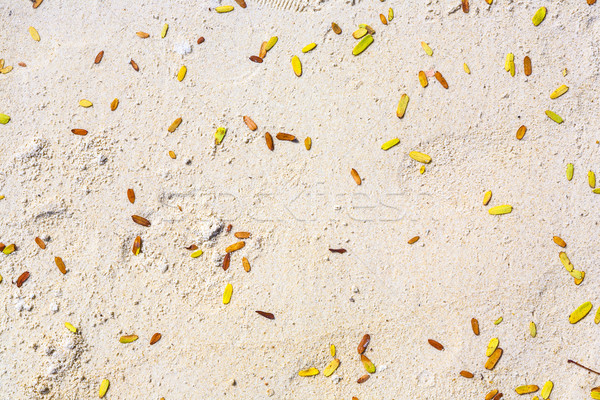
column 71, row 191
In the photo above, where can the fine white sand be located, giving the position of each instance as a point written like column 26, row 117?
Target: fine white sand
column 71, row 191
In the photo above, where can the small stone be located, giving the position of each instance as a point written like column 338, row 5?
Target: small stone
column 232, row 382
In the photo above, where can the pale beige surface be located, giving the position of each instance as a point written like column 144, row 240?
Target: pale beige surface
column 296, row 203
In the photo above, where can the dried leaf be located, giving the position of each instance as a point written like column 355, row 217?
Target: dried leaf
column 220, row 134
column 521, row 132
column 435, row 344
column 285, row 136
column 336, row 28
column 554, row 117
column 390, row 143
column 85, row 103
column 155, row 338
column 332, row 350
column 359, row 33
column 500, row 210
column 364, row 343
column 308, row 143
column 466, row 374
column 128, row 338
column 423, row 79
column 22, row 278
column 355, row 176
column 363, row 378
column 271, row 42
column 137, row 245
column 465, row 6
column 4, row 119
column 235, row 247
column 200, row 40
column 547, row 389
column 420, row 157
column 331, row 367
column 383, row 19
column 559, row 241
column 564, row 259
column 402, row 104
column 34, row 34
column 182, row 72
column 9, row 249
column 248, row 121
column 140, row 220
column 246, row 264
column 197, row 253
column 427, row 49
column 70, row 327
column 256, row 59
column 192, row 247
column 40, row 243
column 339, row 251
column 493, row 360
column 131, row 196
column 134, row 65
column 226, row 261
column 532, row 329
column 164, row 30
column 60, row 264
column 241, row 3
column 36, row 3
column 487, row 197
column 369, row 366
column 466, row 68
column 570, row 170
column 269, row 140
column 592, row 179
column 559, row 92
column 224, row 9
column 441, row 79
column 526, row 389
column 80, row 132
column 539, row 16
column 174, row 125
column 491, row 347
column 414, row 240
column 99, row 57
column 103, row 388
column 114, row 104
column 262, row 53
column 362, row 45
column 267, row 315
column 296, row 65
column 580, row 312
column 309, row 372
column 309, row 47
column 475, row 326
column 143, row 35
column 491, row 394
column 527, row 65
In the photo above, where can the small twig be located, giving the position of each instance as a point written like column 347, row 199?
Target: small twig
column 579, row 365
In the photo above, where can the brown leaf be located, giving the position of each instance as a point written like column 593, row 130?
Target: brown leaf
column 114, row 104
column 134, row 65
column 246, row 264
column 493, row 360
column 155, row 338
column 559, row 241
column 383, row 20
column 285, row 136
column 99, row 57
column 363, row 378
column 242, row 235
column 21, row 279
column 414, row 240
column 256, row 59
column 40, row 243
column 266, row 314
column 590, row 2
column 263, row 50
column 466, row 374
column 364, row 342
column 435, row 344
column 131, row 195
column 269, row 140
column 22, row 64
column 60, row 264
column 242, row 3
column 80, row 132
column 235, row 246
column 465, row 6
column 137, row 245
column 248, row 121
column 143, row 35
column 140, row 220
column 36, row 3
column 192, row 247
column 226, row 261
column 200, row 40
column 2, row 246
column 527, row 65
column 228, row 228
column 336, row 28
column 340, row 251
column 441, row 79
column 356, row 176
column 521, row 132
column 475, row 326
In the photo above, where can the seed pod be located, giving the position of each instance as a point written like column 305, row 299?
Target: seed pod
column 331, row 367
column 491, row 347
column 559, row 91
column 475, row 326
column 383, row 20
column 362, row 45
column 131, row 196
column 526, row 389
column 137, row 245
column 34, row 34
column 308, row 143
column 296, row 65
column 570, row 170
column 363, row 378
column 420, row 157
column 128, row 338
column 269, row 140
column 114, row 104
column 249, row 123
column 355, row 176
column 99, row 57
column 441, row 79
column 174, row 125
column 369, row 366
column 80, row 132
column 246, row 264
column 521, row 132
column 423, row 79
column 465, row 6
column 466, row 374
column 435, row 344
column 224, row 9
column 155, row 338
column 285, row 136
column 364, row 342
column 60, row 264
column 140, row 220
column 22, row 278
column 226, row 261
column 414, row 240
column 539, row 16
column 580, row 312
column 40, row 243
column 103, row 388
column 235, row 247
column 500, row 210
column 527, row 65
column 256, row 59
column 559, row 241
column 487, row 197
column 182, row 72
column 309, row 372
column 220, row 134
column 336, row 28
column 143, row 35
column 493, row 360
column 390, row 143
column 134, row 65
column 402, row 104
column 309, row 47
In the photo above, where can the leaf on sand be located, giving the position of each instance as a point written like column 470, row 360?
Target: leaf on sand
column 435, row 344
column 296, row 66
column 267, row 315
column 580, row 312
column 420, row 157
column 500, row 210
column 526, row 389
column 220, row 134
column 227, row 293
column 309, row 372
column 402, row 104
column 493, row 360
column 331, row 367
column 60, row 264
column 390, row 143
column 128, row 338
column 559, row 92
column 140, row 220
column 362, row 45
column 427, row 49
column 491, row 347
column 34, row 34
column 369, row 366
column 224, row 9
column 554, row 117
column 103, row 388
column 539, row 16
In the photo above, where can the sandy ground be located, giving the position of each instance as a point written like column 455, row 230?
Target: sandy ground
column 71, row 191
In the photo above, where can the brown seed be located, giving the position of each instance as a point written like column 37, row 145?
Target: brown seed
column 140, row 220
column 475, row 326
column 242, row 235
column 435, row 344
column 36, row 3
column 22, row 64
column 228, row 229
column 99, row 57
column 155, row 338
column 285, row 136
column 234, row 247
column 137, row 245
column 248, row 121
column 465, row 6
column 340, row 251
column 2, row 246
column 192, row 247
column 246, row 264
column 521, row 132
column 21, row 279
column 131, row 195
column 559, row 241
column 414, row 240
column 363, row 378
column 336, row 28
column 269, row 140
column 466, row 374
column 256, row 59
column 143, row 35
column 40, row 243
column 364, row 342
column 491, row 394
column 355, row 176
column 200, row 40
column 441, row 79
column 266, row 314
column 383, row 20
column 263, row 50
column 493, row 360
column 60, row 264
column 114, row 104
column 134, row 65
column 242, row 3
column 226, row 261
column 527, row 65
column 80, row 132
